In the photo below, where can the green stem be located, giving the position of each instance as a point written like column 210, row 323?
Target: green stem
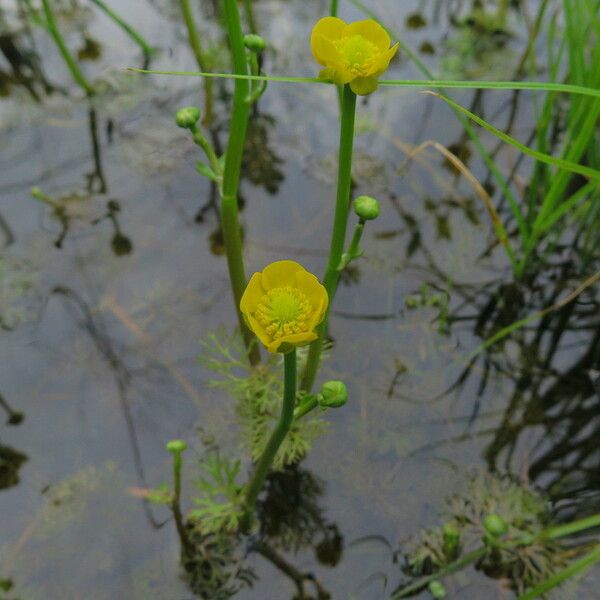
column 206, row 146
column 52, row 28
column 305, row 407
column 231, row 174
column 559, row 531
column 457, row 565
column 186, row 545
column 333, row 8
column 39, row 195
column 281, row 429
column 340, row 223
column 133, row 34
column 196, row 46
column 354, row 248
column 502, row 12
column 250, row 16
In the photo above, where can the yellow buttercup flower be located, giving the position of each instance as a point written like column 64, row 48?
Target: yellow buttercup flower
column 356, row 53
column 283, row 305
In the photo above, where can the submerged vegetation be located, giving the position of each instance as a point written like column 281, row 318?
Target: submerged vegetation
column 456, row 324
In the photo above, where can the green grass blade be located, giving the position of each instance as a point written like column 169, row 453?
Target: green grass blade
column 410, row 83
column 557, row 162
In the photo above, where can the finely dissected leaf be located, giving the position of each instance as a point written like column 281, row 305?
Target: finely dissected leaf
column 160, row 495
column 219, row 505
column 258, row 394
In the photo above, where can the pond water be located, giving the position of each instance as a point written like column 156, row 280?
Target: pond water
column 102, row 334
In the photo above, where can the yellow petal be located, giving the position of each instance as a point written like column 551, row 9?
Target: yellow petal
column 323, row 50
column 311, row 287
column 370, row 30
column 258, row 329
column 383, row 60
column 286, row 343
column 364, row 85
column 343, row 76
column 318, row 314
column 252, row 294
column 280, row 274
column 328, row 28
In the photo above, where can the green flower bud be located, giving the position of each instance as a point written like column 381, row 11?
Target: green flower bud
column 333, row 394
column 451, row 536
column 176, row 446
column 366, row 208
column 255, row 43
column 495, row 525
column 187, row 117
column 437, row 590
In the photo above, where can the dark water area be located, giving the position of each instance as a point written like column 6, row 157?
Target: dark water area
column 103, row 306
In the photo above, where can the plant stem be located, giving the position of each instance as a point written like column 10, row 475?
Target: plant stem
column 52, row 28
column 333, row 8
column 502, row 12
column 559, row 531
column 340, row 223
column 206, row 146
column 196, row 46
column 231, row 174
column 281, row 429
column 250, row 16
column 133, row 34
column 186, row 545
column 354, row 248
column 305, row 407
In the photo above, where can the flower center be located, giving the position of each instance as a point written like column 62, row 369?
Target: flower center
column 284, row 311
column 358, row 52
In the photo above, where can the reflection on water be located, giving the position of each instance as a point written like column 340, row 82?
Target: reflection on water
column 109, row 280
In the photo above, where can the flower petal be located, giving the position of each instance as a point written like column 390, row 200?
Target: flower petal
column 339, row 77
column 288, row 342
column 328, row 28
column 258, row 329
column 364, row 85
column 252, row 294
column 280, row 274
column 383, row 60
column 370, row 30
column 312, row 288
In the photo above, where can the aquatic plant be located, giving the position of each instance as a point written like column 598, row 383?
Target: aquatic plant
column 504, row 529
column 282, row 305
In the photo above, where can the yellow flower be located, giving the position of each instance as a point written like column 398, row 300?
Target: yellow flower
column 356, row 53
column 283, row 305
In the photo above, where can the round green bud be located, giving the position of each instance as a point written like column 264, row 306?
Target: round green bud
column 333, row 394
column 255, row 43
column 366, row 208
column 451, row 536
column 176, row 446
column 495, row 525
column 437, row 590
column 187, row 117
